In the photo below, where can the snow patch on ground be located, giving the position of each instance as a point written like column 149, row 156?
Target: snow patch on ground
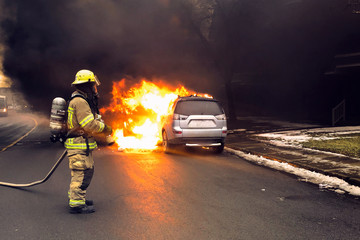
column 325, row 182
column 296, row 137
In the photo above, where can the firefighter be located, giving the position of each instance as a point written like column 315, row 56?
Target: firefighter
column 84, row 122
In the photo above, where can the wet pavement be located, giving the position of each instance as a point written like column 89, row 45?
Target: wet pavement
column 167, row 196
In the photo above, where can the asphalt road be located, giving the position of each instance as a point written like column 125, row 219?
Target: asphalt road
column 164, row 196
column 15, row 126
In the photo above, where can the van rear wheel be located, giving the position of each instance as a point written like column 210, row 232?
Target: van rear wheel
column 165, row 142
column 219, row 149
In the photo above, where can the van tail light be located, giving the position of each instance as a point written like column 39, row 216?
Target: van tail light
column 176, row 116
column 177, row 131
column 221, row 117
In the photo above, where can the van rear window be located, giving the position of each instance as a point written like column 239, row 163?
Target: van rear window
column 198, row 108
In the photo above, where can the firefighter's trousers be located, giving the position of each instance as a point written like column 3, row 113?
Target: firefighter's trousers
column 82, row 170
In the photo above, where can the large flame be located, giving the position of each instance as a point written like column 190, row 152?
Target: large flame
column 137, row 112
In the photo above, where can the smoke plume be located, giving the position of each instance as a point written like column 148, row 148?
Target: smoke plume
column 49, row 41
column 271, row 55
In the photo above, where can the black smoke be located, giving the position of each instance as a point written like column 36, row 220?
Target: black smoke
column 49, row 41
column 276, row 57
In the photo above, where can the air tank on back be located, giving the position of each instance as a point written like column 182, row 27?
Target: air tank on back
column 58, row 120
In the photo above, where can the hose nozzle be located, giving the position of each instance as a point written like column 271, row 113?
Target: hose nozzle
column 109, row 140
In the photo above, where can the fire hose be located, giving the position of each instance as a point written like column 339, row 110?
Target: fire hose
column 57, row 125
column 15, row 185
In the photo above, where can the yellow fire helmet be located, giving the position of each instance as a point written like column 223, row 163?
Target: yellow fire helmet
column 84, row 76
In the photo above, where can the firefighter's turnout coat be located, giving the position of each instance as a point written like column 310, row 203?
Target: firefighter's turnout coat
column 85, row 122
column 82, row 123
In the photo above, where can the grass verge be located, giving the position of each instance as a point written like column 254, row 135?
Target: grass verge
column 349, row 146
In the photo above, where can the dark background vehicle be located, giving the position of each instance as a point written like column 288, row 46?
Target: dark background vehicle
column 3, row 106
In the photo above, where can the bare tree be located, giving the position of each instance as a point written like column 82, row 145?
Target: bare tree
column 214, row 23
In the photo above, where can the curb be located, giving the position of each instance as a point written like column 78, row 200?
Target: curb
column 348, row 179
column 333, row 183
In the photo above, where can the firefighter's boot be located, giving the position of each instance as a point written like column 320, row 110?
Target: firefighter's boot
column 83, row 209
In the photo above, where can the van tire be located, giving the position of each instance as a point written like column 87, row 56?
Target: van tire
column 165, row 142
column 219, row 149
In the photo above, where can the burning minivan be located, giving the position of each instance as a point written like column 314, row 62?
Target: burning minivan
column 195, row 122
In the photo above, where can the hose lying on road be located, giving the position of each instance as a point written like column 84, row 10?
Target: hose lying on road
column 14, row 185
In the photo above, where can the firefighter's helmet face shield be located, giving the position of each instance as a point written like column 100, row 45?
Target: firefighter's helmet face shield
column 94, row 90
column 97, row 81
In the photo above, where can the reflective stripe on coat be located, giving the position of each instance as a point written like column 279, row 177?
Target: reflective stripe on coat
column 80, row 116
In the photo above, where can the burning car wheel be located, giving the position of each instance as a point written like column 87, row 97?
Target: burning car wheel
column 165, row 142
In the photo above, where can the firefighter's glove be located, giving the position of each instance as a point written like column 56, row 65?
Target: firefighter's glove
column 107, row 130
column 99, row 118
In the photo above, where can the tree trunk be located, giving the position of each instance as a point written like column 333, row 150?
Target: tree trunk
column 230, row 99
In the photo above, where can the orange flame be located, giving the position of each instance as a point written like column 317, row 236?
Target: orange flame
column 136, row 113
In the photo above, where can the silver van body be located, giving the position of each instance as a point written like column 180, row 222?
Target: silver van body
column 195, row 122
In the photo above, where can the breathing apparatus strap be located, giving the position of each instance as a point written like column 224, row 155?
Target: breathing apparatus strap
column 87, row 146
column 92, row 104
